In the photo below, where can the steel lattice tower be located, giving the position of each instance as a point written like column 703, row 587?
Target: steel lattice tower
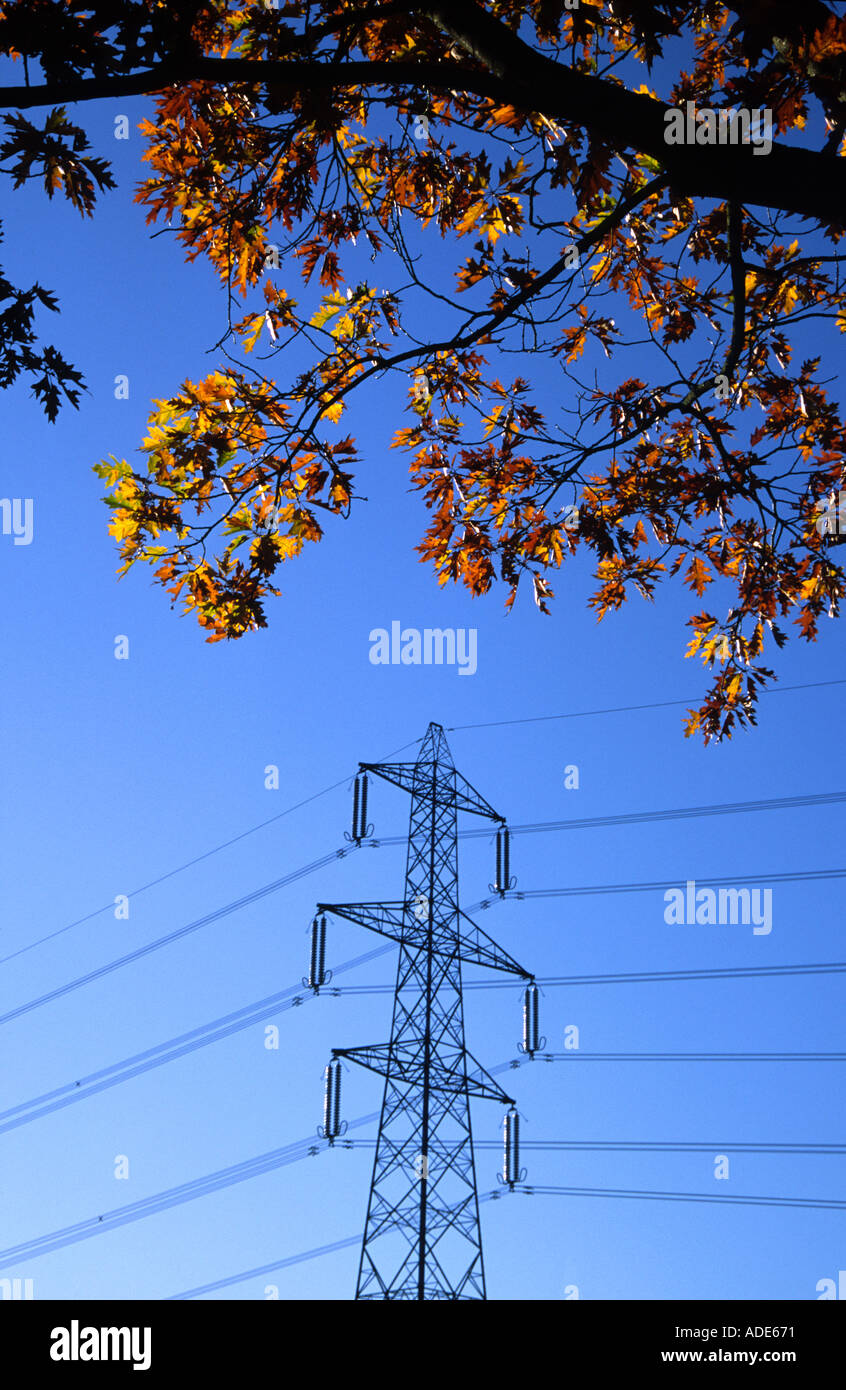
column 422, row 1237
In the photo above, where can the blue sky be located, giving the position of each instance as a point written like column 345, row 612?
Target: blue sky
column 116, row 772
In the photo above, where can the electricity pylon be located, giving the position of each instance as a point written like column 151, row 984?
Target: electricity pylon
column 422, row 1238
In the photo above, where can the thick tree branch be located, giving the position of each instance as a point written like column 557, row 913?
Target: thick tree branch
column 297, row 75
column 734, row 228
column 637, row 121
column 795, row 180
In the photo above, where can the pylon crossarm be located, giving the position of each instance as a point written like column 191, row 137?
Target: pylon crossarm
column 452, row 791
column 377, row 1057
column 479, row 1089
column 400, row 774
column 468, row 799
column 479, row 1077
column 400, row 1063
column 477, row 948
column 402, row 922
column 386, row 918
column 407, row 776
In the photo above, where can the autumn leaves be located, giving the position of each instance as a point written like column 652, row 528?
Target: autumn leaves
column 605, row 341
column 224, row 454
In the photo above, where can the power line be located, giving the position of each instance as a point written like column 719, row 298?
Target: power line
column 637, row 1146
column 174, row 1196
column 276, row 885
column 287, row 1260
column 778, row 803
column 161, row 941
column 732, row 972
column 775, row 803
column 190, row 863
column 284, row 1263
column 108, row 907
column 231, row 1023
column 661, row 1147
column 804, row 1203
column 257, row 894
column 525, row 1190
column 578, row 1056
column 730, row 880
column 627, row 709
column 303, row 1148
column 215, row 1031
column 347, row 1241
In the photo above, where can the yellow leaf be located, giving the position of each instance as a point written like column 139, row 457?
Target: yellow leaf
column 491, row 420
column 333, row 412
column 332, row 304
column 252, row 337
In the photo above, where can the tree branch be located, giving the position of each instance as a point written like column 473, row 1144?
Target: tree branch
column 805, row 182
column 734, row 227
